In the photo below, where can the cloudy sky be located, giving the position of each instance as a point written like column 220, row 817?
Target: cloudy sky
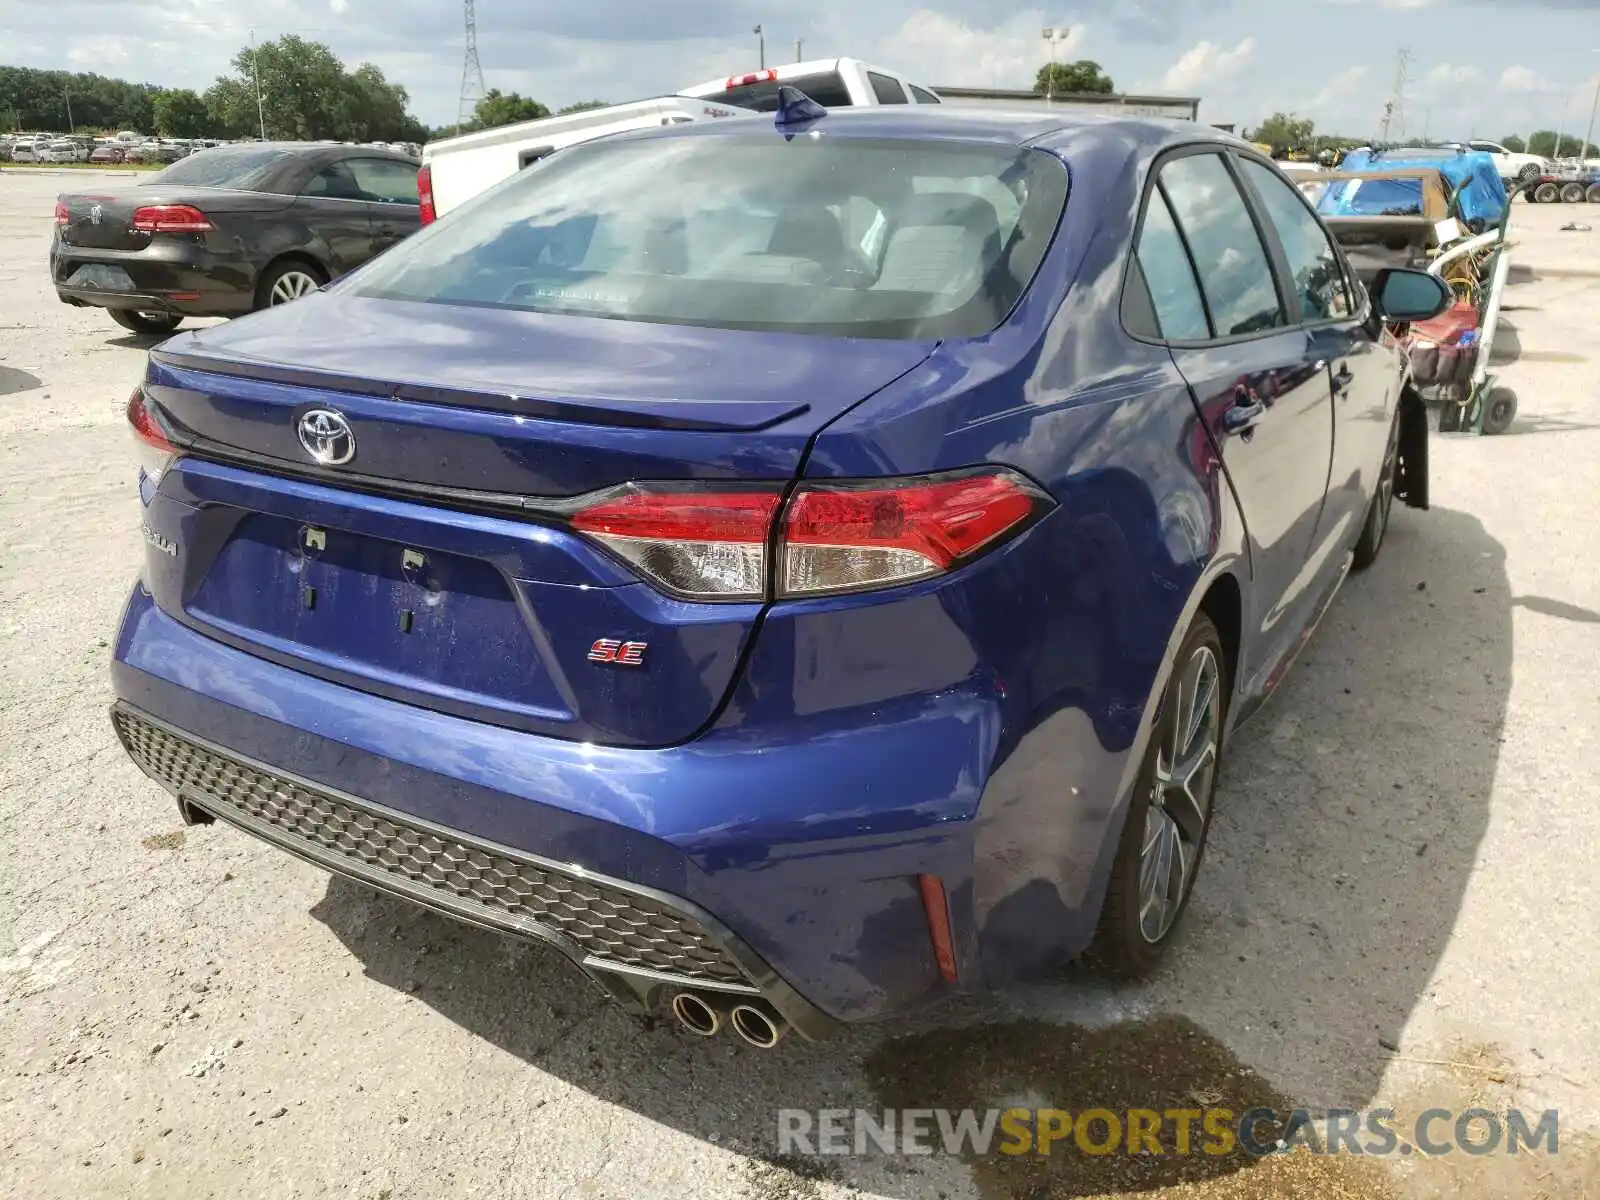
column 1484, row 67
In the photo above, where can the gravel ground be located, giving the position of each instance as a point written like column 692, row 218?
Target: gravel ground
column 1399, row 905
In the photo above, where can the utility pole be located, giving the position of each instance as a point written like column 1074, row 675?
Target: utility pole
column 471, row 73
column 798, row 44
column 255, row 72
column 1583, row 150
column 67, row 96
column 761, row 43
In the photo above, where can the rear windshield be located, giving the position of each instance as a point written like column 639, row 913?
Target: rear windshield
column 827, row 88
column 845, row 236
column 1372, row 198
column 239, row 167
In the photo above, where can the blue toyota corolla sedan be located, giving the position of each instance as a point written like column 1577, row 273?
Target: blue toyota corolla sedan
column 800, row 568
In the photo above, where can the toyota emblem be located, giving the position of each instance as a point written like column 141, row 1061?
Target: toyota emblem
column 326, row 437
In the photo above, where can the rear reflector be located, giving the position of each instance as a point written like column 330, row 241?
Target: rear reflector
column 710, row 542
column 937, row 907
column 155, row 452
column 170, row 218
column 425, row 194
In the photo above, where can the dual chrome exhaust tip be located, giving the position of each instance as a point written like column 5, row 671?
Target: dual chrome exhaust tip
column 705, row 1015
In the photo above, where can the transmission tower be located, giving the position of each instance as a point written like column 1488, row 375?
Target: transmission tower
column 1394, row 111
column 471, row 72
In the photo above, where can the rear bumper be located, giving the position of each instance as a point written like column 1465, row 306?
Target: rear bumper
column 634, row 941
column 795, row 862
column 181, row 277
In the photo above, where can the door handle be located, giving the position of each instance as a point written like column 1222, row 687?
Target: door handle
column 1342, row 379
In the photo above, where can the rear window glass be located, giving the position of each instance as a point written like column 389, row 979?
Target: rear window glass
column 887, row 90
column 241, row 167
column 1372, row 198
column 826, row 88
column 847, row 236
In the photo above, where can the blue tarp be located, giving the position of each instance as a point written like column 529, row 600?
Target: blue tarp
column 1480, row 194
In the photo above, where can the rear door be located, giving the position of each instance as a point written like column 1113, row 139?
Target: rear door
column 1260, row 384
column 390, row 189
column 337, row 216
column 1364, row 376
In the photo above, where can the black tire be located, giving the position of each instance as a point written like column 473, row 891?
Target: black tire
column 1501, row 410
column 1593, row 194
column 270, row 292
column 1377, row 523
column 1123, row 946
column 150, row 324
column 1572, row 193
column 1547, row 193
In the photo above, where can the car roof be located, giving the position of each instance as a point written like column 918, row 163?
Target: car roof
column 1056, row 129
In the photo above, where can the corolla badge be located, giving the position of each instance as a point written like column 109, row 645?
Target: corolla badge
column 95, row 213
column 326, row 437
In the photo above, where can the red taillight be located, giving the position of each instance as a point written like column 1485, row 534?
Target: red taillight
column 704, row 544
column 844, row 539
column 766, row 76
column 155, row 451
column 712, row 543
column 62, row 216
column 170, row 218
column 425, row 194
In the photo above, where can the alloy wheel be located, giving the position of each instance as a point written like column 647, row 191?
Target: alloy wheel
column 292, row 285
column 1180, row 796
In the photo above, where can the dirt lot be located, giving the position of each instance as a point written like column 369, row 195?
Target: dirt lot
column 1400, row 903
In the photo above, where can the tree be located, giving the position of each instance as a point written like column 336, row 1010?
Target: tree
column 1065, row 79
column 1514, row 143
column 581, row 106
column 181, row 113
column 1283, row 130
column 1544, row 144
column 32, row 99
column 307, row 95
column 504, row 108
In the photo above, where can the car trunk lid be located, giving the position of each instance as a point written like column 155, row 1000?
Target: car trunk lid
column 103, row 219
column 434, row 564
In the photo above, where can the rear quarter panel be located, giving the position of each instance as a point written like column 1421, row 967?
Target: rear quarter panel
column 1064, row 638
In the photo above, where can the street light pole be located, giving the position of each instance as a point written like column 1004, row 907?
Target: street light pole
column 1053, row 36
column 255, row 71
column 761, row 42
column 798, row 44
column 67, row 96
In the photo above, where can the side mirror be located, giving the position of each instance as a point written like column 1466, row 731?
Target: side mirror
column 1401, row 294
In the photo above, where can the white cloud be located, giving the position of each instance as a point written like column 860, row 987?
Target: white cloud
column 1522, row 79
column 1207, row 63
column 1337, row 93
column 338, row 6
column 1447, row 75
column 941, row 49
